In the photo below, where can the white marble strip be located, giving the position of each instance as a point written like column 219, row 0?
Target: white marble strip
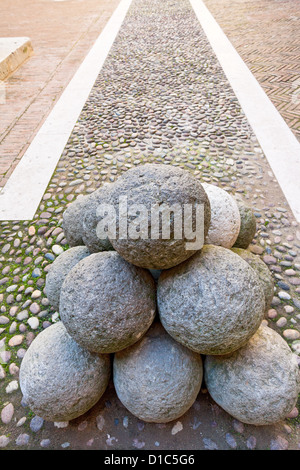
column 20, row 197
column 277, row 141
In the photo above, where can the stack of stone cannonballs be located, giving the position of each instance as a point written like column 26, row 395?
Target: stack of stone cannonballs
column 210, row 302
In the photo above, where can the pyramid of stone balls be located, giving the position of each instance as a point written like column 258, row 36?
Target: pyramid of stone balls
column 164, row 315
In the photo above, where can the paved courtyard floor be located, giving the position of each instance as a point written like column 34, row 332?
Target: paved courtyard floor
column 61, row 33
column 161, row 96
column 266, row 35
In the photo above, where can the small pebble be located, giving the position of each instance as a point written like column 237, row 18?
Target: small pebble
column 231, row 441
column 35, row 308
column 61, row 424
column 4, row 441
column 21, row 422
column 36, row 423
column 272, row 313
column 251, row 443
column 15, row 340
column 289, row 309
column 281, row 322
column 293, row 414
column 45, row 442
column 238, row 426
column 100, row 421
column 12, row 386
column 57, row 250
column 209, row 444
column 177, row 428
column 284, row 295
column 22, row 440
column 82, row 426
column 65, row 445
column 279, row 444
column 291, row 334
column 33, row 322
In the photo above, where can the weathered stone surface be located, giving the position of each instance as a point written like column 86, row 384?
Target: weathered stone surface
column 225, row 217
column 90, row 220
column 72, row 221
column 213, row 303
column 59, row 270
column 248, row 225
column 259, row 383
column 153, row 185
column 106, row 303
column 262, row 271
column 157, row 379
column 59, row 379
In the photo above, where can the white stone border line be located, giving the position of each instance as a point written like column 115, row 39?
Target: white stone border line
column 277, row 141
column 20, row 197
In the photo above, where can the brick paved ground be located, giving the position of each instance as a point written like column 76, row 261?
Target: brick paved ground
column 266, row 33
column 61, row 34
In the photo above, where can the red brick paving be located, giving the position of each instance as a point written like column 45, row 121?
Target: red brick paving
column 266, row 34
column 61, row 34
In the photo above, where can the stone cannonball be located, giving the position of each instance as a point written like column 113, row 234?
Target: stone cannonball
column 90, row 220
column 59, row 270
column 72, row 221
column 262, row 271
column 159, row 186
column 157, row 379
column 213, row 303
column 225, row 217
column 248, row 225
column 107, row 304
column 259, row 383
column 59, row 379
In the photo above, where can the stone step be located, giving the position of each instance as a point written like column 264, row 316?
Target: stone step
column 13, row 52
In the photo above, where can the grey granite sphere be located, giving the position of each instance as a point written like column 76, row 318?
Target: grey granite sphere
column 107, row 304
column 262, row 271
column 150, row 186
column 259, row 383
column 59, row 270
column 72, row 221
column 59, row 379
column 213, row 303
column 157, row 379
column 90, row 220
column 248, row 225
column 225, row 217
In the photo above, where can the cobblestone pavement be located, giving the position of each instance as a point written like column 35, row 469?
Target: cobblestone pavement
column 266, row 34
column 61, row 34
column 160, row 97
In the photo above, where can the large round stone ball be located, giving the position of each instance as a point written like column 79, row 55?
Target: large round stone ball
column 213, row 303
column 154, row 187
column 262, row 271
column 72, row 221
column 225, row 217
column 248, row 225
column 91, row 218
column 59, row 270
column 59, row 379
column 259, row 383
column 157, row 379
column 106, row 303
